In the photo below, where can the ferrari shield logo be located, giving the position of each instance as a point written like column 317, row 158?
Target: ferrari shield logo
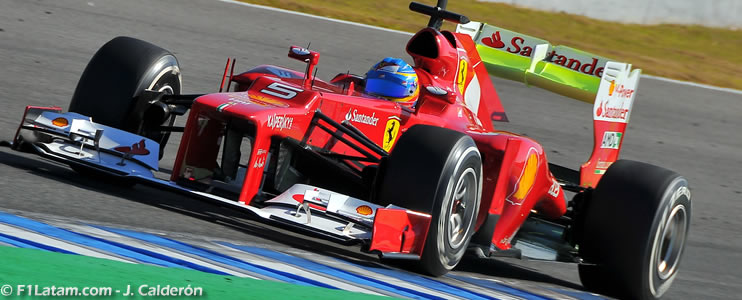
column 461, row 76
column 391, row 131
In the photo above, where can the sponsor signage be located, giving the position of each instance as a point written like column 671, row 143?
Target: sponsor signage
column 602, row 166
column 260, row 159
column 279, row 122
column 509, row 41
column 616, row 93
column 526, row 180
column 577, row 60
column 364, row 210
column 611, row 140
column 354, row 116
column 524, row 45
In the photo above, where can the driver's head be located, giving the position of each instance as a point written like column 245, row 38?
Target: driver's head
column 393, row 79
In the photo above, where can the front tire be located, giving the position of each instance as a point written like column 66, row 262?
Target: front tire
column 634, row 232
column 110, row 86
column 437, row 171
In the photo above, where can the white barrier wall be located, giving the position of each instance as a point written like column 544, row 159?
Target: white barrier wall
column 715, row 13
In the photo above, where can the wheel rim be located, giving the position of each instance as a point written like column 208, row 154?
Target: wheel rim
column 672, row 242
column 167, row 89
column 459, row 218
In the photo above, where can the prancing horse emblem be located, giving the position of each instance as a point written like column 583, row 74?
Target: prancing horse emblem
column 391, row 132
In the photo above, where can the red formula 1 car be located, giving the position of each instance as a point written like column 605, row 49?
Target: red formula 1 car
column 426, row 181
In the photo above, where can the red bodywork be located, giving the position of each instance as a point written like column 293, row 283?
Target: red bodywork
column 281, row 103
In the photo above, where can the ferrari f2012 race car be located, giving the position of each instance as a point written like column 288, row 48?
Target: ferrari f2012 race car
column 427, row 180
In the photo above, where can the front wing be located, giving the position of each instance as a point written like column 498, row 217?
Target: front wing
column 73, row 139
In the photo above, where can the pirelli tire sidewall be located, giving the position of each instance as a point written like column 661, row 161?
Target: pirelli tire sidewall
column 677, row 199
column 464, row 160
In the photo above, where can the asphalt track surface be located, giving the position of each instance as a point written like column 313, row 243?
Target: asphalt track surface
column 45, row 45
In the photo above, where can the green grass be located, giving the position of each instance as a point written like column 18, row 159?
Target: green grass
column 24, row 267
column 693, row 53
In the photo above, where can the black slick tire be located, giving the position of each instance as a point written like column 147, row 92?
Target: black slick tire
column 437, row 171
column 635, row 228
column 117, row 74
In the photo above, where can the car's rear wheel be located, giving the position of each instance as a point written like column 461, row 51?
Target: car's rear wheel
column 110, row 87
column 438, row 171
column 634, row 232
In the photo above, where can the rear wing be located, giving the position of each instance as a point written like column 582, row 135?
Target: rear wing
column 610, row 86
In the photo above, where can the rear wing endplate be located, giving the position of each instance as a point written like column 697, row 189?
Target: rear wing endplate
column 610, row 86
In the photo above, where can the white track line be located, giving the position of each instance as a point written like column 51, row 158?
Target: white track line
column 157, row 249
column 41, row 239
column 675, row 81
column 291, row 12
column 92, row 231
column 700, row 85
column 340, row 264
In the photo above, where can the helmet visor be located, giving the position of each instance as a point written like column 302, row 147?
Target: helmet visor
column 389, row 88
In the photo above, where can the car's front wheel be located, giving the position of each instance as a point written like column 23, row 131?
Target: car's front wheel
column 438, row 171
column 110, row 87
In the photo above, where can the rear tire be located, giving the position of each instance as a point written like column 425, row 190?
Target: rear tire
column 437, row 171
column 110, row 86
column 635, row 229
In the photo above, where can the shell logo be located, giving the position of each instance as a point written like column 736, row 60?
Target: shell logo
column 528, row 177
column 612, row 88
column 364, row 210
column 526, row 180
column 60, row 122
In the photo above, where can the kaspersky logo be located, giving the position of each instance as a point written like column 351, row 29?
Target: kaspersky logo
column 279, row 122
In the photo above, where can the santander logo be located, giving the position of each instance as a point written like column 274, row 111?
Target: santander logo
column 495, row 41
column 563, row 56
column 618, row 112
column 516, row 44
column 615, row 91
column 354, row 116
